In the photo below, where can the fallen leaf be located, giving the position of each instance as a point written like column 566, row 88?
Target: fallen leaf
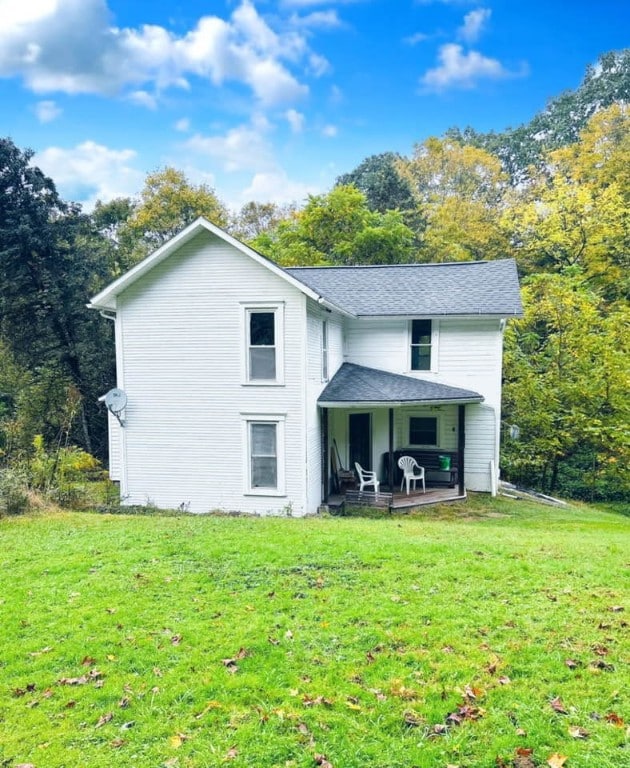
column 177, row 740
column 504, row 680
column 88, row 661
column 556, row 760
column 613, row 717
column 128, row 725
column 273, row 641
column 124, row 702
column 521, row 732
column 412, row 719
column 176, row 639
column 104, row 719
column 571, row 663
column 322, row 761
column 557, row 705
column 232, row 753
column 600, row 650
column 616, row 608
column 117, row 743
column 601, row 664
column 578, row 732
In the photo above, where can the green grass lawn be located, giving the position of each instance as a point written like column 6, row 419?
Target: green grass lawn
column 451, row 638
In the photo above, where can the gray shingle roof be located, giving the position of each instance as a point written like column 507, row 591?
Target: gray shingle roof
column 432, row 290
column 358, row 384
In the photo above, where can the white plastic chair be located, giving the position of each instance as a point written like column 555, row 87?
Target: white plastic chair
column 409, row 466
column 366, row 477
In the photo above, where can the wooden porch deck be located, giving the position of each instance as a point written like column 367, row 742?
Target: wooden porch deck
column 397, row 502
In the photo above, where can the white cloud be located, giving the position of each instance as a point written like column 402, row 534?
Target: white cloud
column 276, row 187
column 462, row 70
column 318, row 65
column 244, row 148
column 143, row 99
column 89, row 172
column 418, row 37
column 318, row 19
column 47, row 111
column 295, row 120
column 473, row 25
column 70, row 46
column 336, row 94
column 182, row 125
column 329, row 131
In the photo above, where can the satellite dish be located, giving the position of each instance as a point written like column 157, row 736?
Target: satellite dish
column 116, row 400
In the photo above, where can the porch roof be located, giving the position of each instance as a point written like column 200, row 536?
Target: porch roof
column 359, row 385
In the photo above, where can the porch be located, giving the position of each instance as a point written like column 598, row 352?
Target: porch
column 396, row 502
column 374, row 417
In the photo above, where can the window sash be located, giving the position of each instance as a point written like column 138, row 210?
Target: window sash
column 261, row 342
column 421, row 342
column 423, row 430
column 263, row 447
column 324, row 350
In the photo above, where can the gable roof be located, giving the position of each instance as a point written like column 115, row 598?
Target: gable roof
column 412, row 290
column 460, row 288
column 358, row 384
column 106, row 299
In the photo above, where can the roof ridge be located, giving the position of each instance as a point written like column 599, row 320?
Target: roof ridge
column 398, row 266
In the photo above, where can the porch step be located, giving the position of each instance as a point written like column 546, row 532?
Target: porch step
column 367, row 499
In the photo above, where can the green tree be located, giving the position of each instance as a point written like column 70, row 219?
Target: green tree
column 255, row 219
column 459, row 189
column 50, row 263
column 559, row 123
column 567, row 374
column 380, row 180
column 339, row 228
column 576, row 211
column 168, row 203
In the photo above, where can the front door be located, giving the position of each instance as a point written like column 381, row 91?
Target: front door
column 360, row 439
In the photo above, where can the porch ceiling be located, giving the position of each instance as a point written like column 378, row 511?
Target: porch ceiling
column 356, row 385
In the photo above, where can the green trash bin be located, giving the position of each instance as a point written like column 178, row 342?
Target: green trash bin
column 445, row 463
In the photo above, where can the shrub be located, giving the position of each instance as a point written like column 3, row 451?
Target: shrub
column 13, row 494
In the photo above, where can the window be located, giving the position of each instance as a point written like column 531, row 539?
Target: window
column 423, row 430
column 324, row 350
column 264, row 454
column 421, row 333
column 264, row 344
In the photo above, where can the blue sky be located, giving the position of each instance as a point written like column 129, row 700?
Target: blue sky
column 272, row 99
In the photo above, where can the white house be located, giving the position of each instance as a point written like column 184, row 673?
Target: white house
column 242, row 378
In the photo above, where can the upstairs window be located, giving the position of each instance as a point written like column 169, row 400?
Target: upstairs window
column 264, row 334
column 324, row 350
column 421, row 333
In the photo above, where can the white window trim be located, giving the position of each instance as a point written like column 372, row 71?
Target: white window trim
column 438, row 429
column 277, row 307
column 435, row 338
column 279, row 420
column 325, row 355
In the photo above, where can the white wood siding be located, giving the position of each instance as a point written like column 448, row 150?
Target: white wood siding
column 182, row 370
column 467, row 355
column 114, row 436
column 314, row 386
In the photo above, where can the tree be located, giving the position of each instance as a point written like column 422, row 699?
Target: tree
column 339, row 228
column 460, row 191
column 559, row 123
column 378, row 177
column 255, row 219
column 168, row 203
column 50, row 263
column 567, row 376
column 576, row 210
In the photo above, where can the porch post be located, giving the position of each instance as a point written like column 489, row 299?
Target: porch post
column 390, row 477
column 325, row 462
column 461, row 443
